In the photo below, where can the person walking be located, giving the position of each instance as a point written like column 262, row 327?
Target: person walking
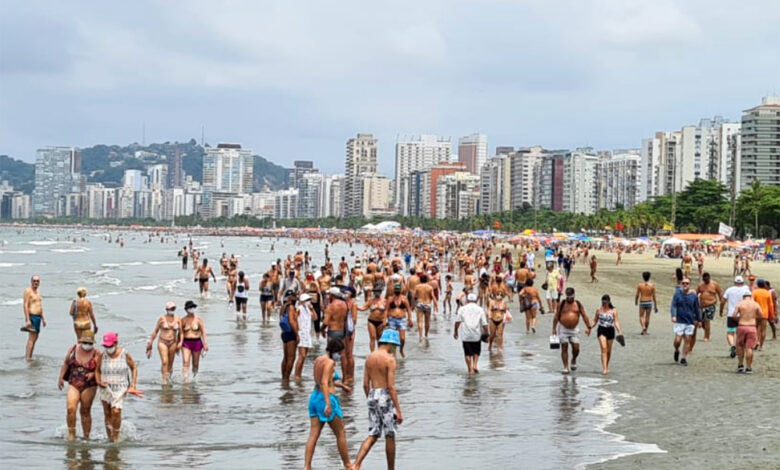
column 78, row 370
column 169, row 328
column 606, row 318
column 471, row 326
column 565, row 323
column 116, row 375
column 686, row 316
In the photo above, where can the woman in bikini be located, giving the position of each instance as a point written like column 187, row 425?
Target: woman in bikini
column 533, row 296
column 192, row 340
column 169, row 327
column 312, row 287
column 497, row 313
column 608, row 323
column 83, row 316
column 377, row 317
column 266, row 297
column 399, row 314
column 79, row 371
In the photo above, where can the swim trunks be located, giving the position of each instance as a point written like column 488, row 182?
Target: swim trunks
column 398, row 324
column 647, row 304
column 317, row 407
column 731, row 325
column 424, row 308
column 289, row 336
column 568, row 335
column 683, row 329
column 381, row 413
column 747, row 336
column 607, row 332
column 194, row 344
column 336, row 334
column 35, row 322
column 472, row 348
column 708, row 313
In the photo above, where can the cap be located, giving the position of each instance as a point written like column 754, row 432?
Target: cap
column 110, row 339
column 739, row 280
column 290, row 293
column 335, row 291
column 471, row 297
column 170, row 306
column 87, row 336
column 189, row 304
column 390, row 337
column 304, row 298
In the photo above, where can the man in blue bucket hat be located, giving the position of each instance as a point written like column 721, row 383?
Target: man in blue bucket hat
column 384, row 411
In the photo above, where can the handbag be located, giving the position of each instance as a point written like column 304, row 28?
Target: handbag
column 525, row 302
column 545, row 286
column 555, row 342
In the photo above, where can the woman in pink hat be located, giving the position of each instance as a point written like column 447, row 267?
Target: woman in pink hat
column 116, row 375
column 169, row 327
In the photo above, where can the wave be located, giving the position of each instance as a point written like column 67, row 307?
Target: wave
column 10, row 265
column 155, row 263
column 18, row 252
column 8, row 303
column 44, row 242
column 116, row 265
column 69, row 250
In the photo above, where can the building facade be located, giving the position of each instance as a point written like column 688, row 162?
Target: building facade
column 473, row 152
column 760, row 145
column 417, row 153
column 57, row 173
column 361, row 160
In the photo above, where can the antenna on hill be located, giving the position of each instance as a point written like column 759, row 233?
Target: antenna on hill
column 202, row 135
column 143, row 133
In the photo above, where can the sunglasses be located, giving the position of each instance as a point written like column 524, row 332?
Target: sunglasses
column 686, row 283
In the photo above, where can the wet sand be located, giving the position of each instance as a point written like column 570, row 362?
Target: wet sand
column 703, row 415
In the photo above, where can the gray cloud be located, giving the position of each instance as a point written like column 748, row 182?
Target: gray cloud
column 296, row 79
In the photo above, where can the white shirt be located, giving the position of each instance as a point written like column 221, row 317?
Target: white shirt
column 529, row 258
column 472, row 318
column 734, row 295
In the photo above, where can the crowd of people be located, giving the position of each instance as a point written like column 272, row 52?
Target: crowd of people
column 399, row 282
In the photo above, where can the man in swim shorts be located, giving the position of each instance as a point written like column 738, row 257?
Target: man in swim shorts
column 565, row 322
column 32, row 304
column 709, row 294
column 747, row 313
column 423, row 297
column 732, row 297
column 384, row 409
column 645, row 299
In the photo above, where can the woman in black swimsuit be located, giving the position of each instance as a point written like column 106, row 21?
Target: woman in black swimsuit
column 377, row 317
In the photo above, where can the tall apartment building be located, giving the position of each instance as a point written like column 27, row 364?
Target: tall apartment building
column 300, row 168
column 309, row 186
column 176, row 173
column 361, row 160
column 417, row 153
column 473, row 152
column 334, row 188
column 524, row 165
column 760, row 153
column 419, row 190
column 457, row 195
column 57, row 173
column 580, row 184
column 548, row 193
column 13, row 204
column 618, row 181
column 158, row 176
column 286, row 204
column 227, row 170
column 496, row 185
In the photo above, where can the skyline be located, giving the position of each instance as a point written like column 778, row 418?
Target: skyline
column 601, row 73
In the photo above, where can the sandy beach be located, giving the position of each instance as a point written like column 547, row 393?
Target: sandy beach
column 704, row 415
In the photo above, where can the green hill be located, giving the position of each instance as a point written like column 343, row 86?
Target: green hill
column 19, row 174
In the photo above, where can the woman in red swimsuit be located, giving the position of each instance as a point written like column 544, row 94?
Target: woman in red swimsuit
column 78, row 370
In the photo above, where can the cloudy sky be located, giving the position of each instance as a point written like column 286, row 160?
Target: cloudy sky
column 295, row 79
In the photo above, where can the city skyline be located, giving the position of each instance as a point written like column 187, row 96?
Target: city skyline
column 569, row 75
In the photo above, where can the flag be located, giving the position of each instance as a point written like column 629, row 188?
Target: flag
column 607, row 227
column 619, row 226
column 668, row 227
column 725, row 230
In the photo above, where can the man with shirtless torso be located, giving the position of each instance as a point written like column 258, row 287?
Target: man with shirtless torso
column 335, row 321
column 384, row 408
column 565, row 322
column 421, row 299
column 709, row 295
column 746, row 313
column 645, row 299
column 202, row 274
column 33, row 315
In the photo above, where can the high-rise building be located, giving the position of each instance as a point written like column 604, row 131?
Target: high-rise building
column 457, row 195
column 158, row 176
column 309, row 186
column 57, row 173
column 760, row 159
column 417, row 153
column 496, row 185
column 228, row 172
column 549, row 183
column 618, row 181
column 580, row 183
column 375, row 197
column 13, row 204
column 335, row 188
column 286, row 204
column 419, row 189
column 176, row 173
column 300, row 168
column 524, row 163
column 473, row 152
column 361, row 160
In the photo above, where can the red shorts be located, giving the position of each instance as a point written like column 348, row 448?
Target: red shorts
column 747, row 336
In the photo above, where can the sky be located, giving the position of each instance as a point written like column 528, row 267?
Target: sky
column 293, row 80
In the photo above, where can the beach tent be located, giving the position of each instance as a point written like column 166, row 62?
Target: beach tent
column 674, row 241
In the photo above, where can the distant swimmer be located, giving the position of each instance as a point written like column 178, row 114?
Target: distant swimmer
column 34, row 317
column 82, row 314
column 384, row 408
column 184, row 255
column 192, row 341
column 324, row 406
column 202, row 274
column 646, row 300
column 169, row 327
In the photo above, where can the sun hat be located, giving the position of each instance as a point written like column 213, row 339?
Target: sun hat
column 304, row 298
column 110, row 339
column 189, row 304
column 87, row 336
column 471, row 297
column 335, row 291
column 170, row 305
column 390, row 337
column 739, row 280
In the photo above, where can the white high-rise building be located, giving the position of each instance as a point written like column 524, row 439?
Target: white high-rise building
column 457, row 195
column 760, row 153
column 496, row 185
column 228, row 169
column 361, row 160
column 618, row 181
column 580, row 194
column 417, row 153
column 286, row 204
column 57, row 173
column 473, row 151
column 524, row 164
column 309, row 187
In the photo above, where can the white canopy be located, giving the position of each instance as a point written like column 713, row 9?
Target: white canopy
column 674, row 241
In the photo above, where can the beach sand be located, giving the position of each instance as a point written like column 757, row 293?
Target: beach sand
column 703, row 415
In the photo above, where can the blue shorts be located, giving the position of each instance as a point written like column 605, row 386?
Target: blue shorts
column 648, row 304
column 317, row 407
column 35, row 322
column 398, row 324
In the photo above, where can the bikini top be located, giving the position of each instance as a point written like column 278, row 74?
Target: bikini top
column 379, row 306
column 193, row 326
column 167, row 326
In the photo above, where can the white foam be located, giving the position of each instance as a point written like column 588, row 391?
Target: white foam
column 18, row 252
column 163, row 262
column 43, row 242
column 10, row 265
column 8, row 303
column 69, row 250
